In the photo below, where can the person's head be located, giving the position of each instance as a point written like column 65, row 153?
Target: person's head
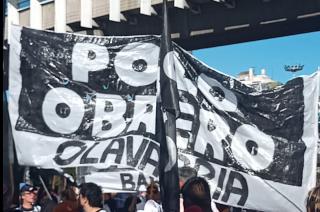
column 28, row 195
column 196, row 191
column 153, row 192
column 90, row 195
column 107, row 196
column 313, row 201
column 68, row 195
column 76, row 191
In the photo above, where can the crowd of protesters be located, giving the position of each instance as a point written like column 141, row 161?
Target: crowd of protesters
column 88, row 197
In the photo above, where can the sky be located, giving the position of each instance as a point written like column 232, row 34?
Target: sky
column 270, row 54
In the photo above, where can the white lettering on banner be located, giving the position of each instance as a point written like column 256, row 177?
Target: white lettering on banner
column 218, row 95
column 109, row 120
column 137, row 63
column 144, row 108
column 62, row 110
column 213, row 129
column 88, row 57
column 252, row 148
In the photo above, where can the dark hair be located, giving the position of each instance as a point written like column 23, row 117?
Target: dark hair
column 69, row 194
column 313, row 201
column 196, row 191
column 93, row 193
column 152, row 190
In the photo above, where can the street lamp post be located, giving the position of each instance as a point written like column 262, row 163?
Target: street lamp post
column 293, row 68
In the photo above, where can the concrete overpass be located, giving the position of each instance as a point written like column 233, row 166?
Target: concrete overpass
column 200, row 24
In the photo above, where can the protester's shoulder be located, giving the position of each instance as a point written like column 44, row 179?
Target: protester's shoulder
column 36, row 208
column 106, row 208
column 151, row 202
column 152, row 205
column 148, row 204
column 16, row 209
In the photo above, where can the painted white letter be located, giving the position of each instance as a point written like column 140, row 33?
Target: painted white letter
column 137, row 63
column 108, row 119
column 62, row 110
column 88, row 57
column 252, row 148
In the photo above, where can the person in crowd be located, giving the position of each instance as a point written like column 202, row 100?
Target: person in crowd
column 143, row 200
column 109, row 203
column 153, row 199
column 76, row 190
column 106, row 207
column 55, row 194
column 313, row 200
column 195, row 194
column 69, row 201
column 185, row 173
column 46, row 202
column 120, row 198
column 130, row 204
column 91, row 197
column 28, row 198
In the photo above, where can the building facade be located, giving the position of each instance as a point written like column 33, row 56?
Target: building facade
column 260, row 81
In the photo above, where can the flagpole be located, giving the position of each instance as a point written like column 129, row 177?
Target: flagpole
column 167, row 112
column 45, row 187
